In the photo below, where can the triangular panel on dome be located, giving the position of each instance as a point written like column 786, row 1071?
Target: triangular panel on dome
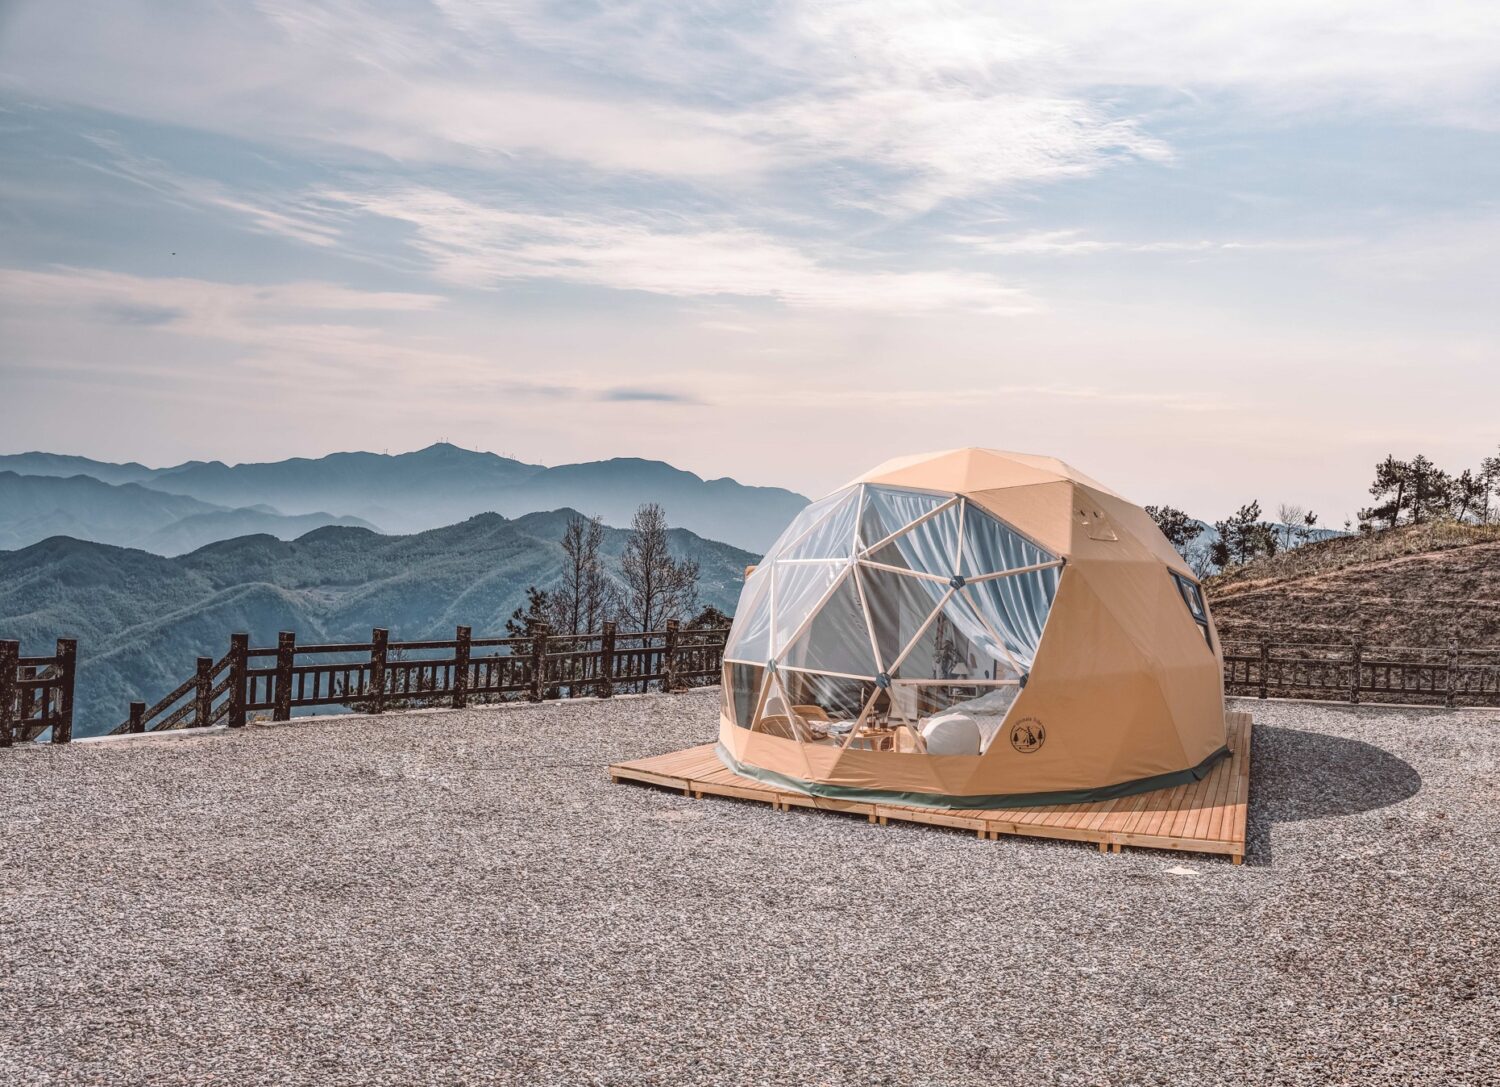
column 955, row 647
column 797, row 588
column 886, row 510
column 832, row 536
column 750, row 636
column 1015, row 608
column 742, row 687
column 775, row 717
column 837, row 639
column 928, row 546
column 825, row 703
column 991, row 546
column 899, row 605
column 807, row 520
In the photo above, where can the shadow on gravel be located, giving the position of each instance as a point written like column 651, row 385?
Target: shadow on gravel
column 1296, row 775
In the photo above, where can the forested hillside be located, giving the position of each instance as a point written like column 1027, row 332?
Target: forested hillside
column 141, row 619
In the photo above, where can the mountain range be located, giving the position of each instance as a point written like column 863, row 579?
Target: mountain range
column 33, row 508
column 401, row 493
column 141, row 619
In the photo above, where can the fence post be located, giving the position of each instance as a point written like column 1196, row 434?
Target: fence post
column 669, row 658
column 461, row 667
column 286, row 655
column 137, row 722
column 380, row 639
column 10, row 655
column 606, row 688
column 1265, row 666
column 203, row 699
column 239, row 665
column 1355, row 655
column 28, row 697
column 1452, row 674
column 67, row 668
column 538, row 663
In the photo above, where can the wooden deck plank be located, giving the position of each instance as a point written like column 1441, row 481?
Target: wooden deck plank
column 1205, row 816
column 1217, row 824
column 1223, row 822
column 1192, row 804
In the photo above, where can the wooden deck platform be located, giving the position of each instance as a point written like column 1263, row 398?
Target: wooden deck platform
column 1205, row 816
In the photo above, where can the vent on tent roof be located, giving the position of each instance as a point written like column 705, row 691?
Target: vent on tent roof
column 1095, row 523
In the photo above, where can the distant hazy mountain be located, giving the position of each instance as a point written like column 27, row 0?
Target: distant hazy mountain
column 36, row 507
column 141, row 619
column 441, row 484
column 1300, row 537
column 55, row 464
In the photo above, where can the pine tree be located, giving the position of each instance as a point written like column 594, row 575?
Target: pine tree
column 1467, row 495
column 1430, row 490
column 524, row 622
column 1179, row 529
column 1392, row 480
column 1243, row 536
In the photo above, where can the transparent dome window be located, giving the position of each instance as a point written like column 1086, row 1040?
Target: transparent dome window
column 880, row 610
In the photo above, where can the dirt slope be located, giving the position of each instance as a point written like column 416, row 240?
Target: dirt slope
column 1418, row 585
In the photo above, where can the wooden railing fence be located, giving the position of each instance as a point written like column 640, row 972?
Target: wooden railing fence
column 36, row 693
column 1353, row 672
column 373, row 676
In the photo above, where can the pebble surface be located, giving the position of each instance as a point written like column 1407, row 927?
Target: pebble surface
column 462, row 897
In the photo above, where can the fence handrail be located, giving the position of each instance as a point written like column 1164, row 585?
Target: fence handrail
column 36, row 693
column 1446, row 677
column 32, row 702
column 372, row 676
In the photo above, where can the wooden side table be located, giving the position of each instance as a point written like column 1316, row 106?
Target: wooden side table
column 875, row 739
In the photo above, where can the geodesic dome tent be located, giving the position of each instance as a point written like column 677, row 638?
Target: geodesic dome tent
column 972, row 629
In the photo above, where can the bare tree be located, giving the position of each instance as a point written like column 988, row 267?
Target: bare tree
column 658, row 587
column 1489, row 475
column 580, row 600
column 1289, row 518
column 1201, row 562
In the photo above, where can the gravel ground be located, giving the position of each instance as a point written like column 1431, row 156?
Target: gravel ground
column 463, row 898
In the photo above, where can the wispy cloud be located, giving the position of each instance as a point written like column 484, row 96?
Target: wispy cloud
column 841, row 201
column 1074, row 243
column 267, row 214
column 327, row 336
column 631, row 395
column 482, row 246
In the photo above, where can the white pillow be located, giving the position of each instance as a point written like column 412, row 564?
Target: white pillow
column 951, row 734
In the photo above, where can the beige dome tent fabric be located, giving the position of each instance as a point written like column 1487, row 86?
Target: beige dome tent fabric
column 1031, row 623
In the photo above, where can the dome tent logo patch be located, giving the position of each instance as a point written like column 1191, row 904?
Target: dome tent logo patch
column 1027, row 735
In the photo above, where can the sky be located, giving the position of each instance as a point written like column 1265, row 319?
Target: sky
column 1204, row 252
